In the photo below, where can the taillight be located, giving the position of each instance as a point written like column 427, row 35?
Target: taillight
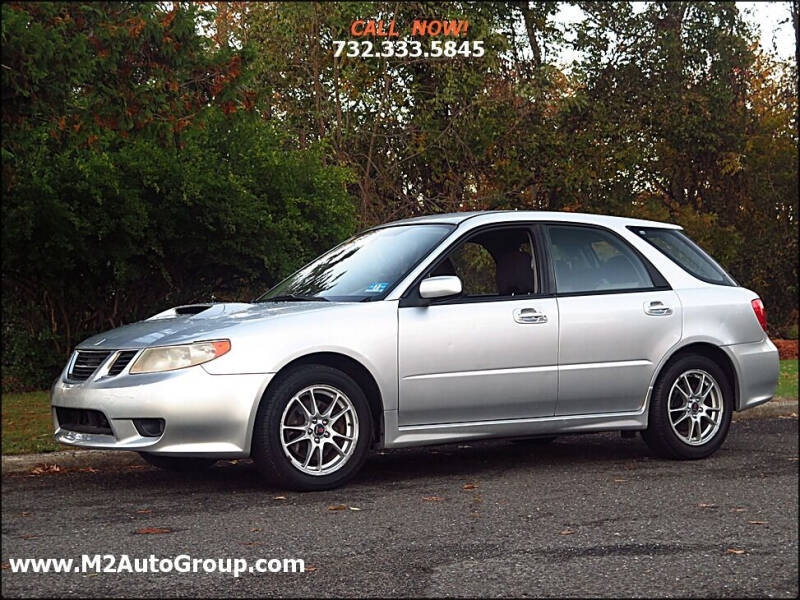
column 761, row 313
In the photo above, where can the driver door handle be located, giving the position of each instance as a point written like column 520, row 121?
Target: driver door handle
column 657, row 308
column 528, row 316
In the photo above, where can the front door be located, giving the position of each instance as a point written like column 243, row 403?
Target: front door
column 490, row 353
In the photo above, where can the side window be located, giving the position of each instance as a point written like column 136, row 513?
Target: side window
column 476, row 268
column 586, row 259
column 497, row 263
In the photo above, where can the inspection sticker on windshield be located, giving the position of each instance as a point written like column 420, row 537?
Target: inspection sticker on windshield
column 377, row 287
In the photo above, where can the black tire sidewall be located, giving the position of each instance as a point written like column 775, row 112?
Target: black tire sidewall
column 267, row 448
column 660, row 434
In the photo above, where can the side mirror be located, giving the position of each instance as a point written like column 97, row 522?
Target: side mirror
column 440, row 287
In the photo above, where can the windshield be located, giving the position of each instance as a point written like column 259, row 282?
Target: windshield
column 365, row 267
column 682, row 250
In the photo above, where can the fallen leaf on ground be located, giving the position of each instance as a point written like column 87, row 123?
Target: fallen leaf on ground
column 45, row 468
column 310, row 568
column 279, row 498
column 337, row 507
column 354, row 508
column 567, row 531
column 4, row 566
column 24, row 514
column 738, row 509
column 757, row 522
column 734, row 551
column 256, row 529
column 432, row 499
column 470, row 486
column 152, row 530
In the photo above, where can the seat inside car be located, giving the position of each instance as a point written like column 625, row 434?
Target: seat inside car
column 514, row 274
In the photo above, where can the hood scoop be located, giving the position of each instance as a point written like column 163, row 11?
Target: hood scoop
column 191, row 309
column 202, row 311
column 180, row 311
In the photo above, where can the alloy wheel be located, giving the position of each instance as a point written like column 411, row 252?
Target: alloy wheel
column 695, row 406
column 319, row 430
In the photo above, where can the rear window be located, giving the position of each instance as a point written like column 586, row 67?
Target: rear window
column 682, row 250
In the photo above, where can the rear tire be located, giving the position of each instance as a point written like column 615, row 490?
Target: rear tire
column 313, row 429
column 690, row 410
column 178, row 463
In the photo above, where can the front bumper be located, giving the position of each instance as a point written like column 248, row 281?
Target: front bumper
column 757, row 370
column 204, row 414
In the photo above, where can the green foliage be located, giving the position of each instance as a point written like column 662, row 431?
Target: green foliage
column 28, row 424
column 697, row 128
column 159, row 153
column 105, row 220
column 787, row 380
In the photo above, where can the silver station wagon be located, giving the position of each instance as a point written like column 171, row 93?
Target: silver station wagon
column 430, row 330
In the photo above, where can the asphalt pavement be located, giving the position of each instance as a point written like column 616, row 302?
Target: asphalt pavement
column 590, row 515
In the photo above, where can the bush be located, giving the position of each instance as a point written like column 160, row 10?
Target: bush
column 138, row 175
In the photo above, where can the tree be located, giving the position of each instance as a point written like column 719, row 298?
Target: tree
column 679, row 105
column 136, row 175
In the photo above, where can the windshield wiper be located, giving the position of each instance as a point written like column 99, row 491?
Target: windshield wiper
column 295, row 298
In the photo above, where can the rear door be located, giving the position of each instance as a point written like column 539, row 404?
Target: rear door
column 618, row 317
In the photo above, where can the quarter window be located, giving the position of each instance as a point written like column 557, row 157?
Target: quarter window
column 680, row 249
column 586, row 259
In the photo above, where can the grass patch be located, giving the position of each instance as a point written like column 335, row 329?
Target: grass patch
column 787, row 382
column 28, row 426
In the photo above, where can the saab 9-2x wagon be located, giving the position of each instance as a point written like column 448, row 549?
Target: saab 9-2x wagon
column 432, row 330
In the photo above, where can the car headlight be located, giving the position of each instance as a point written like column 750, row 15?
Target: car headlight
column 170, row 358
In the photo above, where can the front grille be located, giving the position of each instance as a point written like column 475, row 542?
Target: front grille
column 122, row 360
column 82, row 420
column 86, row 363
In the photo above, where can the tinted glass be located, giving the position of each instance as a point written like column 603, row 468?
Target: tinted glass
column 476, row 268
column 364, row 267
column 498, row 262
column 682, row 250
column 586, row 259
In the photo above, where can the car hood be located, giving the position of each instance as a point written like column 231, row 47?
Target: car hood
column 196, row 322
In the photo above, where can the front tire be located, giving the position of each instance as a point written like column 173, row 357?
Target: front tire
column 691, row 409
column 313, row 429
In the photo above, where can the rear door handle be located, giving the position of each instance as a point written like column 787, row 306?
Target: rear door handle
column 529, row 315
column 657, row 308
